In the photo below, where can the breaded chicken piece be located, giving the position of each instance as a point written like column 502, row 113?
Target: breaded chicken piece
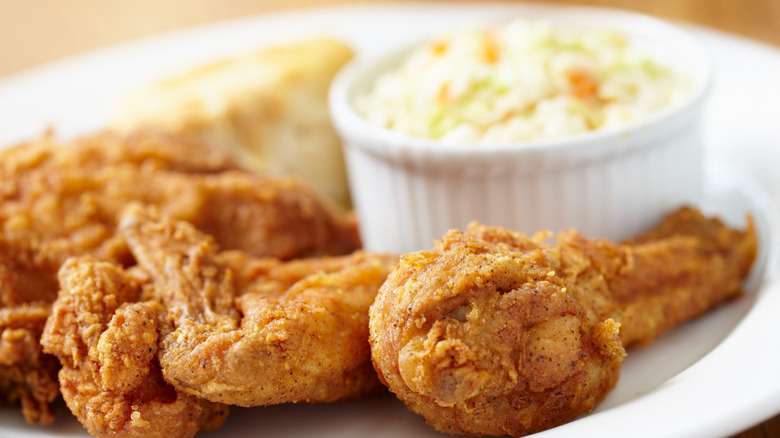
column 63, row 200
column 57, row 200
column 674, row 272
column 27, row 376
column 496, row 333
column 250, row 331
column 105, row 335
column 36, row 237
column 149, row 148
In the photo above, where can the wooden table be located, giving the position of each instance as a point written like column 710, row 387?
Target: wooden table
column 33, row 32
column 36, row 31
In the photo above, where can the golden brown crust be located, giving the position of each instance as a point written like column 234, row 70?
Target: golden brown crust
column 145, row 148
column 27, row 376
column 482, row 338
column 271, row 217
column 304, row 322
column 672, row 273
column 494, row 333
column 106, row 340
column 62, row 200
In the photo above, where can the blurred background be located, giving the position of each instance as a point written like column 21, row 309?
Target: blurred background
column 33, row 32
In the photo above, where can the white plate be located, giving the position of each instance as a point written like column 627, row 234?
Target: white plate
column 712, row 377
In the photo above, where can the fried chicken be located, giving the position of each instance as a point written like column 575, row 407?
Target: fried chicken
column 496, row 333
column 27, row 376
column 674, row 272
column 105, row 333
column 224, row 326
column 59, row 200
column 63, row 200
column 251, row 331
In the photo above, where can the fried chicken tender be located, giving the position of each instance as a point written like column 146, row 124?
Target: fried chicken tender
column 105, row 334
column 251, row 331
column 496, row 333
column 62, row 200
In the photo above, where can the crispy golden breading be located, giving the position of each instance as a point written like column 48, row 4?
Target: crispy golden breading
column 303, row 323
column 63, row 200
column 481, row 337
column 675, row 272
column 36, row 236
column 106, row 336
column 58, row 200
column 495, row 333
column 151, row 149
column 27, row 376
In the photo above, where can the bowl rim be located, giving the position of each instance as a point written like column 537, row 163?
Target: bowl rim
column 356, row 130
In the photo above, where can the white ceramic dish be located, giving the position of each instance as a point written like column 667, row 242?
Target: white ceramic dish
column 611, row 183
column 713, row 377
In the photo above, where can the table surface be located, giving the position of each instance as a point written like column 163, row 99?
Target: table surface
column 37, row 31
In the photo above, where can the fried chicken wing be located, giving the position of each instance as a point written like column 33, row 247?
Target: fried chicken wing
column 494, row 333
column 251, row 331
column 105, row 334
column 63, row 200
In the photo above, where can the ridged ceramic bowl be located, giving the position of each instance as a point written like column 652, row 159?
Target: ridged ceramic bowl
column 608, row 183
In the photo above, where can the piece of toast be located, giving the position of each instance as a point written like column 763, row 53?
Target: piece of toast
column 268, row 107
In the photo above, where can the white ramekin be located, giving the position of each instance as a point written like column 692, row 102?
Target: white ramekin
column 611, row 183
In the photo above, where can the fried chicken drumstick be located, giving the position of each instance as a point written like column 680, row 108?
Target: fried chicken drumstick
column 62, row 200
column 496, row 333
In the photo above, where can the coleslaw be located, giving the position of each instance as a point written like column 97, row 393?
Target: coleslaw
column 523, row 81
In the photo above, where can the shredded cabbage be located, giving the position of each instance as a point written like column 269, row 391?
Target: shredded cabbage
column 523, row 81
